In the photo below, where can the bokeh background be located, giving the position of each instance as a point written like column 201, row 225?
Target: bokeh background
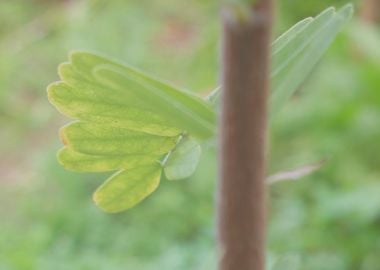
column 327, row 220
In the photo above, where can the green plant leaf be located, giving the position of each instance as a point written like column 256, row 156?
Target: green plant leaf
column 286, row 37
column 181, row 109
column 95, row 139
column 90, row 102
column 126, row 120
column 79, row 162
column 183, row 160
column 127, row 188
column 287, row 49
column 294, row 62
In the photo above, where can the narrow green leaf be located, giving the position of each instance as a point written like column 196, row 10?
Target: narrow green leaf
column 299, row 41
column 184, row 159
column 298, row 67
column 127, row 188
column 79, row 162
column 289, row 35
column 89, row 138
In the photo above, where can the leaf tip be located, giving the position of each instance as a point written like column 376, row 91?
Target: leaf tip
column 62, row 69
column 347, row 11
column 54, row 91
column 50, row 91
column 63, row 136
column 63, row 159
column 74, row 53
column 330, row 10
column 97, row 202
column 97, row 199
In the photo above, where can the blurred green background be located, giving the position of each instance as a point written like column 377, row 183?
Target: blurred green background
column 328, row 220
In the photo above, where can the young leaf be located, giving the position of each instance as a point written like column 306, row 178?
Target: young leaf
column 298, row 40
column 127, row 121
column 289, row 35
column 127, row 188
column 79, row 162
column 95, row 139
column 299, row 56
column 183, row 160
column 93, row 103
column 181, row 109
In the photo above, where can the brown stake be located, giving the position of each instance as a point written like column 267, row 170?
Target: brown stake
column 370, row 11
column 242, row 137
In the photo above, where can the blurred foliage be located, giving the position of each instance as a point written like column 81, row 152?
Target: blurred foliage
column 328, row 221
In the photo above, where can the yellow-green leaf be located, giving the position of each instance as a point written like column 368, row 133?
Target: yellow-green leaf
column 79, row 162
column 87, row 103
column 181, row 109
column 95, row 139
column 127, row 188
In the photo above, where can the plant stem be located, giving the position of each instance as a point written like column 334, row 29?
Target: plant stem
column 370, row 12
column 241, row 190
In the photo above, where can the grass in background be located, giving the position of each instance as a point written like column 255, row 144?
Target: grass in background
column 329, row 220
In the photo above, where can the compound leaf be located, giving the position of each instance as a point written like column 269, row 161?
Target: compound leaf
column 126, row 121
